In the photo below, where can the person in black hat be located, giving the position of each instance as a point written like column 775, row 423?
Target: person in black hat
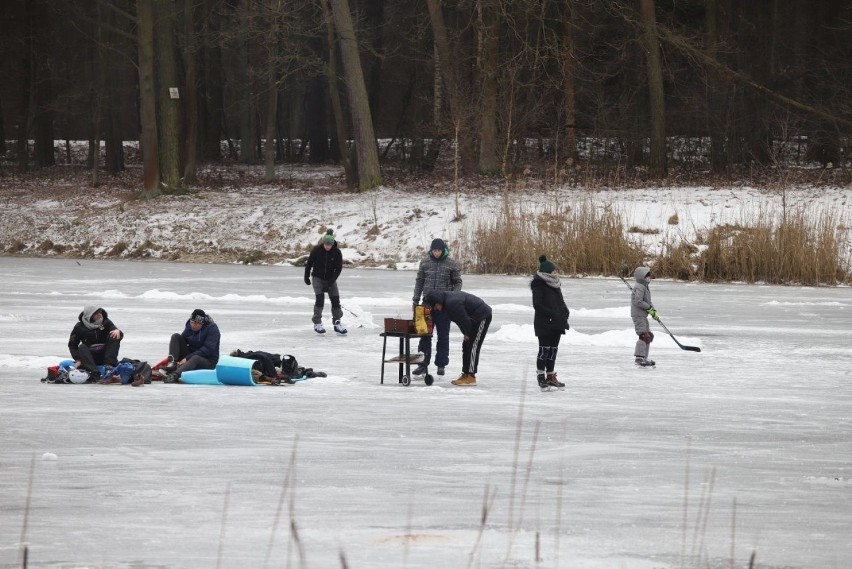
column 197, row 347
column 550, row 321
column 437, row 272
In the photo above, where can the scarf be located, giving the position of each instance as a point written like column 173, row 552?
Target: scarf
column 549, row 278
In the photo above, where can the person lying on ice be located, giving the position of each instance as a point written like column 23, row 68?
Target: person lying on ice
column 472, row 316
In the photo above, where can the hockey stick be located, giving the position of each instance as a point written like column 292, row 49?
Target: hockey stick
column 660, row 322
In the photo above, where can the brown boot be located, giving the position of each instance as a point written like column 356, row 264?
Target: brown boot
column 465, row 379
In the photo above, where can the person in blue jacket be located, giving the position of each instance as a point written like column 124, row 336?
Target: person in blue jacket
column 197, row 347
column 472, row 316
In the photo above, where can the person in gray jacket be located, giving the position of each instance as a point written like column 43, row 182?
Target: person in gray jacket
column 472, row 316
column 640, row 309
column 437, row 272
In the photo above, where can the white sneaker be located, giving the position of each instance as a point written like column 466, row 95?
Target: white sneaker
column 338, row 327
column 319, row 328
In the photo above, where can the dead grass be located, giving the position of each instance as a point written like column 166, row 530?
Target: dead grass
column 774, row 247
column 582, row 238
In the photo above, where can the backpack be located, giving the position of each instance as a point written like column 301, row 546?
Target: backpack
column 130, row 370
column 290, row 367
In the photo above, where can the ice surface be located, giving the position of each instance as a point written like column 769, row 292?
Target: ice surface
column 742, row 448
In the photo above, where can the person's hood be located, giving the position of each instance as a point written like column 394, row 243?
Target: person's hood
column 86, row 316
column 434, row 297
column 640, row 273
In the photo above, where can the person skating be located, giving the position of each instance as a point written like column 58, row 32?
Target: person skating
column 640, row 309
column 197, row 347
column 95, row 341
column 550, row 321
column 325, row 264
column 472, row 316
column 436, row 272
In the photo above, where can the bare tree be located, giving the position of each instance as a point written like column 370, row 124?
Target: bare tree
column 369, row 174
column 147, row 100
column 488, row 15
column 656, row 97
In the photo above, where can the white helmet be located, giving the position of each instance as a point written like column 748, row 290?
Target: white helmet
column 78, row 376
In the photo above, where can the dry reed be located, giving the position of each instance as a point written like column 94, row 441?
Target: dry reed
column 586, row 238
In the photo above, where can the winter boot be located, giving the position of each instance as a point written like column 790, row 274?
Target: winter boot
column 171, row 365
column 338, row 327
column 542, row 380
column 440, row 370
column 644, row 362
column 553, row 382
column 319, row 328
column 465, row 379
column 420, row 369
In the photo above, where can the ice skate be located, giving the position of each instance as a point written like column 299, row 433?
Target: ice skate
column 319, row 328
column 338, row 327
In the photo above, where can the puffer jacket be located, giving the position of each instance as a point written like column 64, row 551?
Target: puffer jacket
column 323, row 264
column 436, row 274
column 205, row 342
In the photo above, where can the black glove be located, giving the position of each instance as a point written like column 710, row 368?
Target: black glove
column 308, row 280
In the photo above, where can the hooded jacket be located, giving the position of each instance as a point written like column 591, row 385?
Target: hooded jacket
column 551, row 312
column 461, row 307
column 205, row 342
column 640, row 301
column 86, row 332
column 324, row 264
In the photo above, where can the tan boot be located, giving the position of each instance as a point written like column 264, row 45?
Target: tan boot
column 465, row 379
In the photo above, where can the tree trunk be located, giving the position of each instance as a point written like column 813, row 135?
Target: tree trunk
column 42, row 83
column 453, row 86
column 244, row 101
column 168, row 105
column 190, row 92
column 2, row 132
column 715, row 93
column 366, row 153
column 570, row 142
column 489, row 30
column 147, row 100
column 210, row 102
column 334, row 95
column 656, row 97
column 272, row 92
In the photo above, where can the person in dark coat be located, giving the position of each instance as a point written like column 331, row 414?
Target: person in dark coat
column 94, row 341
column 436, row 272
column 325, row 264
column 197, row 347
column 550, row 321
column 472, row 316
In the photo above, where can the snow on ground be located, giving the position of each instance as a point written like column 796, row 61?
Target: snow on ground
column 711, row 457
column 390, row 226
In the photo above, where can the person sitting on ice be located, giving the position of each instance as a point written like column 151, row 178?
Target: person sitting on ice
column 472, row 316
column 325, row 264
column 95, row 341
column 640, row 309
column 197, row 347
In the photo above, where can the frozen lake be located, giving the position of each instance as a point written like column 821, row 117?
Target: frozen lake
column 711, row 457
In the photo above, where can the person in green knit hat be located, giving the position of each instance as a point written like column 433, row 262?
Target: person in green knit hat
column 550, row 321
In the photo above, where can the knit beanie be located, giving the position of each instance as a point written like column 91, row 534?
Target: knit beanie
column 328, row 238
column 545, row 266
column 199, row 316
column 438, row 244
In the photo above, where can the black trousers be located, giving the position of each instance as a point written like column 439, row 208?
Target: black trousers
column 548, row 345
column 99, row 354
column 179, row 349
column 471, row 346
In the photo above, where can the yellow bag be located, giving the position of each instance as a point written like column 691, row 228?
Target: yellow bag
column 420, row 324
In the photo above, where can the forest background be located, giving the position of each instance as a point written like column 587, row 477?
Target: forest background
column 479, row 93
